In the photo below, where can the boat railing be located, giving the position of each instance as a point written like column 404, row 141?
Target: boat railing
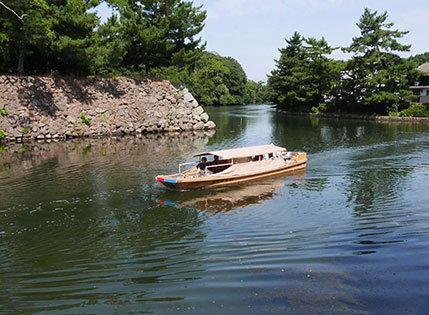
column 208, row 166
column 217, row 165
column 184, row 164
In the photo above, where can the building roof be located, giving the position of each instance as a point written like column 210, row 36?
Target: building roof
column 424, row 68
column 244, row 152
column 420, row 87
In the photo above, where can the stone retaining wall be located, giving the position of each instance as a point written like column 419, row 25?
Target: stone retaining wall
column 60, row 108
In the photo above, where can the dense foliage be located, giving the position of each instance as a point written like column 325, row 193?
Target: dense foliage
column 53, row 34
column 63, row 36
column 374, row 80
column 415, row 110
column 159, row 33
column 217, row 80
column 420, row 59
column 257, row 93
column 304, row 77
column 377, row 77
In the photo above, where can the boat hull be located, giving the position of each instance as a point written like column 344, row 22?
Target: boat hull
column 218, row 181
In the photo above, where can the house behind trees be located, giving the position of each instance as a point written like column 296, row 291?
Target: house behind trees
column 421, row 87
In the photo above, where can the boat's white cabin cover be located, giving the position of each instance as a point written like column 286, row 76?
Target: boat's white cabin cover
column 244, row 152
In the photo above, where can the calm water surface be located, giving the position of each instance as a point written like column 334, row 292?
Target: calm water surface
column 84, row 227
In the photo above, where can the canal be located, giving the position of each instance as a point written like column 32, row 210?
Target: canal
column 84, row 227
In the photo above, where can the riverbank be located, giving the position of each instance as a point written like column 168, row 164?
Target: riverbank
column 359, row 117
column 47, row 108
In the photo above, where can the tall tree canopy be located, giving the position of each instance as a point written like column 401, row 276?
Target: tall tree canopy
column 304, row 76
column 377, row 79
column 287, row 78
column 420, row 59
column 218, row 80
column 55, row 34
column 65, row 36
column 160, row 33
column 257, row 93
column 108, row 49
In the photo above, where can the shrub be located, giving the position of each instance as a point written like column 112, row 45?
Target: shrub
column 24, row 131
column 319, row 109
column 3, row 112
column 1, row 133
column 415, row 110
column 85, row 120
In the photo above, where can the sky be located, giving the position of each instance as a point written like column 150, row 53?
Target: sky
column 252, row 31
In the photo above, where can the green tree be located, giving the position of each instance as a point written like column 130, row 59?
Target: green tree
column 55, row 34
column 108, row 49
column 73, row 27
column 256, row 93
column 235, row 81
column 419, row 59
column 208, row 81
column 252, row 91
column 289, row 75
column 23, row 27
column 160, row 33
column 218, row 80
column 304, row 77
column 324, row 74
column 376, row 79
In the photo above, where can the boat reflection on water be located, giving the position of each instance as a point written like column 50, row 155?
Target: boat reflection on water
column 226, row 199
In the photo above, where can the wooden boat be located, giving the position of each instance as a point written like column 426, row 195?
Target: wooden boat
column 236, row 166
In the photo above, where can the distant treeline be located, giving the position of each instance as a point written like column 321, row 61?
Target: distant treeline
column 374, row 80
column 156, row 38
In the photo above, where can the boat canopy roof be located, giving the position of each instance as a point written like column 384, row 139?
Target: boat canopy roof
column 244, row 152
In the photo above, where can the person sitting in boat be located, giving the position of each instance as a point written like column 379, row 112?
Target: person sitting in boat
column 288, row 157
column 214, row 167
column 202, row 167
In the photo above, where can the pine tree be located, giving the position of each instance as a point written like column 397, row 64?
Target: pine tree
column 160, row 33
column 287, row 80
column 72, row 26
column 377, row 79
column 108, row 49
column 304, row 77
column 55, row 34
column 23, row 27
column 324, row 74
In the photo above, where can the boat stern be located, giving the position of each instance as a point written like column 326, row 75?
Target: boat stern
column 301, row 157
